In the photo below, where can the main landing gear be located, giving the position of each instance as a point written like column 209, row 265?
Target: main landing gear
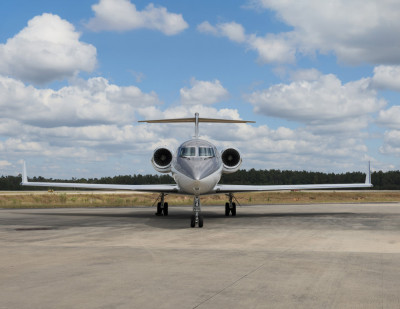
column 162, row 207
column 231, row 206
column 197, row 217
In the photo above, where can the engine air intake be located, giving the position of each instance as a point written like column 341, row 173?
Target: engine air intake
column 231, row 157
column 162, row 157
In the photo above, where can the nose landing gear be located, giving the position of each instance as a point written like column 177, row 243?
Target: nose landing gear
column 197, row 217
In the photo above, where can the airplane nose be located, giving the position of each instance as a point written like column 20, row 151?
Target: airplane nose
column 199, row 169
column 196, row 172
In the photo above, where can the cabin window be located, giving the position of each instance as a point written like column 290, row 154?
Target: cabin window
column 187, row 152
column 206, row 152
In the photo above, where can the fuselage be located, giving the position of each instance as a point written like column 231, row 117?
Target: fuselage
column 196, row 167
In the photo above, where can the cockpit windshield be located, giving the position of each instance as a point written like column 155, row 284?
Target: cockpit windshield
column 197, row 151
column 187, row 152
column 206, row 152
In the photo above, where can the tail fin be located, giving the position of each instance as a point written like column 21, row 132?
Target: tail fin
column 196, row 120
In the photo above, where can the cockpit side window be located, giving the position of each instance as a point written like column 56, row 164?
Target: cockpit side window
column 206, row 152
column 187, row 152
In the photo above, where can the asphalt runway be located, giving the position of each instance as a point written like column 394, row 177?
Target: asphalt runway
column 278, row 256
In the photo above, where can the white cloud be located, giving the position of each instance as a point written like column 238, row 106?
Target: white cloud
column 390, row 117
column 90, row 102
column 273, row 48
column 233, row 31
column 47, row 49
column 270, row 48
column 324, row 104
column 357, row 31
column 284, row 148
column 122, row 15
column 206, row 27
column 391, row 143
column 203, row 92
column 387, row 77
column 4, row 163
column 305, row 75
column 93, row 121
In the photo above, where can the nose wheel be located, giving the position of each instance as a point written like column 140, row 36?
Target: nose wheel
column 197, row 217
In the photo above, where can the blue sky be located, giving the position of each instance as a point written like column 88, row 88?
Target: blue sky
column 321, row 79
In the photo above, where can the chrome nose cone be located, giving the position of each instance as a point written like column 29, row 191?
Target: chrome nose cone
column 196, row 171
column 198, row 168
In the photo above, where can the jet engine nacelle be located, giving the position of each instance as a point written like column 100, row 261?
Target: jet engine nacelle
column 232, row 159
column 161, row 160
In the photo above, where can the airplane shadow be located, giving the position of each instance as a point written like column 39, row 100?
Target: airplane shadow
column 178, row 218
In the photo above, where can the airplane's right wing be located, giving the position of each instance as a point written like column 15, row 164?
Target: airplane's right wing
column 173, row 188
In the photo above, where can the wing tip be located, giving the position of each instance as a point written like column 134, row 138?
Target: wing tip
column 24, row 175
column 368, row 175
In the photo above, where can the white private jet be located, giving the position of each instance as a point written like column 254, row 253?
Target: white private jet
column 196, row 167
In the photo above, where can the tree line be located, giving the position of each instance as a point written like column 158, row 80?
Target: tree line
column 381, row 180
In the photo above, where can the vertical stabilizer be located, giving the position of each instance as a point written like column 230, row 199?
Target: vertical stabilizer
column 196, row 129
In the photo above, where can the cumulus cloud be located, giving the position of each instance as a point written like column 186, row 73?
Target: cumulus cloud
column 322, row 104
column 122, row 15
column 234, row 31
column 387, row 77
column 391, row 143
column 284, row 148
column 203, row 92
column 94, row 101
column 264, row 147
column 93, row 120
column 47, row 49
column 4, row 163
column 271, row 48
column 356, row 31
column 390, row 118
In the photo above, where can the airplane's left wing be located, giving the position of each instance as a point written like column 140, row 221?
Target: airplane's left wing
column 251, row 188
column 143, row 188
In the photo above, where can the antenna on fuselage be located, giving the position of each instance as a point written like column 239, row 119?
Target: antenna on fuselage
column 196, row 121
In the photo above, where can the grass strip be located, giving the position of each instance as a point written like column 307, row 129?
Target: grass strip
column 64, row 200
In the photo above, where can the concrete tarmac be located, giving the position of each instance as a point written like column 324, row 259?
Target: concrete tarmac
column 275, row 256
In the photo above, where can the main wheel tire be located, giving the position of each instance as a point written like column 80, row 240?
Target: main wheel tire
column 165, row 209
column 227, row 210
column 159, row 211
column 233, row 210
column 200, row 220
column 193, row 221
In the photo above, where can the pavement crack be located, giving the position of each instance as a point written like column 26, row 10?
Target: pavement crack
column 230, row 285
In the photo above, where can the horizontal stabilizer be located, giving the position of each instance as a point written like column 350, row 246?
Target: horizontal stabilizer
column 199, row 120
column 196, row 120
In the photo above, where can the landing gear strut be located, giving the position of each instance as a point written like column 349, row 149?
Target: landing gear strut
column 231, row 206
column 162, row 207
column 197, row 217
